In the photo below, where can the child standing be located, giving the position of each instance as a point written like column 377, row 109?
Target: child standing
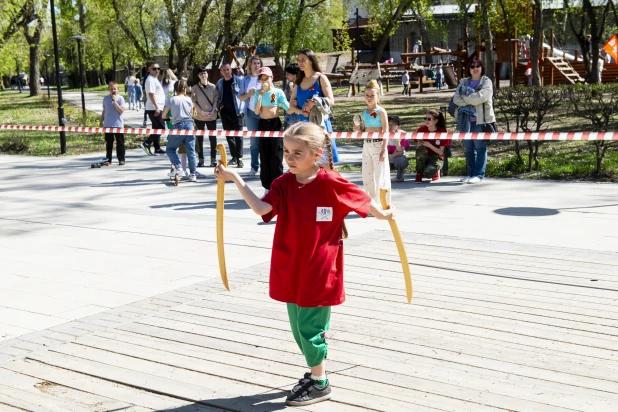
column 376, row 174
column 307, row 254
column 267, row 101
column 137, row 94
column 181, row 107
column 113, row 108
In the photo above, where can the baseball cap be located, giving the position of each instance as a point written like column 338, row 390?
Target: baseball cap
column 266, row 71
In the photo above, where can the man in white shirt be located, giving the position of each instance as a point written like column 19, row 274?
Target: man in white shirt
column 155, row 102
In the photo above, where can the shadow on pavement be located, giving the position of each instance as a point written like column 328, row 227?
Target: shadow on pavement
column 526, row 211
column 229, row 204
column 253, row 403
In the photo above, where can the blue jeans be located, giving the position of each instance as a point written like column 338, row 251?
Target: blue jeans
column 476, row 153
column 131, row 95
column 254, row 142
column 174, row 141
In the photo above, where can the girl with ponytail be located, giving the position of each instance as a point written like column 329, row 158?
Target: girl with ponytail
column 306, row 271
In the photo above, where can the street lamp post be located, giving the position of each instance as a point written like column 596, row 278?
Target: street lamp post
column 81, row 68
column 61, row 119
column 46, row 55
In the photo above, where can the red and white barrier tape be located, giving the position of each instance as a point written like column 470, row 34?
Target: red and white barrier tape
column 555, row 136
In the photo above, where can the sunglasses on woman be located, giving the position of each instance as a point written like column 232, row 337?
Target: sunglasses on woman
column 478, row 66
column 429, row 118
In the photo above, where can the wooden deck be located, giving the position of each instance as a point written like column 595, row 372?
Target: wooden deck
column 492, row 326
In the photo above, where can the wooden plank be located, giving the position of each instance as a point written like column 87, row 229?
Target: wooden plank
column 166, row 380
column 246, row 355
column 33, row 401
column 90, row 384
column 498, row 291
column 220, row 365
column 372, row 260
column 498, row 330
column 37, row 386
column 475, row 389
column 454, row 349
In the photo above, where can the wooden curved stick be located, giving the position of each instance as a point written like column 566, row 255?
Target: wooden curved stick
column 220, row 200
column 402, row 252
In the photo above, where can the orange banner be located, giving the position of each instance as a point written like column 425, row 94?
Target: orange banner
column 612, row 47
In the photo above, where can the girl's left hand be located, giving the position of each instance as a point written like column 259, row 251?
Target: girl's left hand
column 382, row 156
column 223, row 173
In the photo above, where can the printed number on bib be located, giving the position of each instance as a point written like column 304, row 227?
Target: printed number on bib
column 324, row 214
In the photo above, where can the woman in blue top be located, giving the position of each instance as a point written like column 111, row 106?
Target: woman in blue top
column 311, row 82
column 267, row 101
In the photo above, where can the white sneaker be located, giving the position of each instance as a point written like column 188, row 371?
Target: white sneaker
column 200, row 175
column 253, row 172
column 192, row 178
column 465, row 179
column 475, row 179
column 173, row 173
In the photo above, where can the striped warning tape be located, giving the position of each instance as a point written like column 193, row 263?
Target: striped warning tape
column 553, row 136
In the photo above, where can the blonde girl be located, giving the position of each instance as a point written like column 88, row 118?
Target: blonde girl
column 376, row 173
column 306, row 270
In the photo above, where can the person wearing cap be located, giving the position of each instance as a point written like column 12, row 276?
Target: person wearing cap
column 266, row 104
column 396, row 149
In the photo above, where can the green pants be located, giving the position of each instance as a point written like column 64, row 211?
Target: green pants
column 309, row 327
column 427, row 165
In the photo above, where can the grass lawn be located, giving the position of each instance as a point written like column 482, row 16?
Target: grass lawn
column 557, row 160
column 21, row 109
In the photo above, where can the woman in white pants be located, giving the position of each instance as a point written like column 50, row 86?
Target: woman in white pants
column 376, row 173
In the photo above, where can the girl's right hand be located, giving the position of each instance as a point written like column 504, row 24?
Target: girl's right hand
column 223, row 173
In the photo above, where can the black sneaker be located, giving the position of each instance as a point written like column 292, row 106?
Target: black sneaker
column 240, row 164
column 306, row 378
column 121, row 163
column 159, row 152
column 200, row 163
column 232, row 162
column 213, row 162
column 308, row 394
column 146, row 148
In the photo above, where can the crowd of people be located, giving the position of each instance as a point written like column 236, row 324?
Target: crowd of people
column 255, row 102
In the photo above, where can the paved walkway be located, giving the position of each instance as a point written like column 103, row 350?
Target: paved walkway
column 110, row 297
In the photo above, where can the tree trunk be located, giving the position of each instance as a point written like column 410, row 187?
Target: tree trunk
column 34, row 53
column 33, row 81
column 510, row 43
column 490, row 59
column 422, row 28
column 535, row 51
column 403, row 6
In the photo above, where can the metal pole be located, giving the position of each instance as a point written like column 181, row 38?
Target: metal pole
column 81, row 74
column 61, row 120
column 47, row 76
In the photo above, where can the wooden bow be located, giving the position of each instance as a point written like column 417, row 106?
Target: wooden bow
column 402, row 252
column 220, row 201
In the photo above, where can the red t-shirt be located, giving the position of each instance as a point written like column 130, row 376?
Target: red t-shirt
column 307, row 258
column 437, row 142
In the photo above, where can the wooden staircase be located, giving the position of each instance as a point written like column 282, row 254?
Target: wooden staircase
column 565, row 69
